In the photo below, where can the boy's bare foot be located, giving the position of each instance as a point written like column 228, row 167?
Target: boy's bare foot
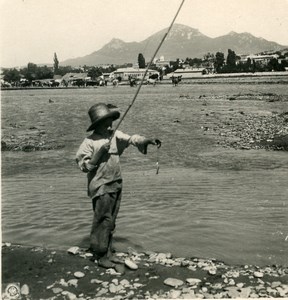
column 120, row 269
column 104, row 262
column 116, row 260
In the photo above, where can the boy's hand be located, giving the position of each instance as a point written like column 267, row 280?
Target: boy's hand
column 96, row 156
column 105, row 147
column 147, row 142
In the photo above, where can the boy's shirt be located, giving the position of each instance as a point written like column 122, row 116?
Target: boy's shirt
column 105, row 177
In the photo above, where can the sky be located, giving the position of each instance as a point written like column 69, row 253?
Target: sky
column 33, row 30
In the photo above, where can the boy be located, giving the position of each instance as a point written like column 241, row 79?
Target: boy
column 98, row 156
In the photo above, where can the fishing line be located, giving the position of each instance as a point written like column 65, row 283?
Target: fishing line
column 143, row 78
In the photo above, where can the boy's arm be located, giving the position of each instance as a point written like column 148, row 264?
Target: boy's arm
column 98, row 154
column 87, row 158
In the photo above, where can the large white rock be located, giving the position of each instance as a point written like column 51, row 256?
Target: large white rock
column 79, row 274
column 25, row 289
column 73, row 250
column 173, row 282
column 130, row 264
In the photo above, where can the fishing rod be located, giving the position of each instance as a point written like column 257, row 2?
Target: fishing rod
column 146, row 71
column 138, row 90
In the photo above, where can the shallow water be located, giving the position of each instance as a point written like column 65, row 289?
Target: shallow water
column 206, row 201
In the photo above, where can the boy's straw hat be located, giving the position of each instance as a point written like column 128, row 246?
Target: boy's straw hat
column 99, row 112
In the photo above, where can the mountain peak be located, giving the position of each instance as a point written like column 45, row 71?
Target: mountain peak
column 115, row 44
column 183, row 31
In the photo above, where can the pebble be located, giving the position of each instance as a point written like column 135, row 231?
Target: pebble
column 125, row 282
column 193, row 281
column 275, row 284
column 174, row 294
column 69, row 295
column 79, row 274
column 96, row 281
column 63, row 282
column 130, row 264
column 73, row 282
column 25, row 289
column 112, row 288
column 73, row 250
column 212, row 271
column 112, row 272
column 173, row 282
column 57, row 290
column 245, row 293
column 258, row 274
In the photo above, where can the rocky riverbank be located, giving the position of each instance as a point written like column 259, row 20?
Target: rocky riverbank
column 38, row 273
column 244, row 129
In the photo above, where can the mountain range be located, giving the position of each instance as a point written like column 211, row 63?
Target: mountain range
column 181, row 42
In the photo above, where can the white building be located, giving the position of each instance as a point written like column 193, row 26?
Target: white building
column 124, row 73
column 188, row 72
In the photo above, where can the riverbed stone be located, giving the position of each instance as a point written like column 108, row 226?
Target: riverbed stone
column 57, row 290
column 69, row 295
column 125, row 282
column 73, row 250
column 173, row 282
column 73, row 282
column 174, row 294
column 97, row 281
column 24, row 289
column 258, row 274
column 275, row 284
column 79, row 274
column 130, row 264
column 193, row 281
column 112, row 288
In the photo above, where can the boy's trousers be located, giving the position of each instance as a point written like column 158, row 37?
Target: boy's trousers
column 106, row 209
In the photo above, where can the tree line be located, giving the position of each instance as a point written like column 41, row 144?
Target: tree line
column 233, row 64
column 217, row 62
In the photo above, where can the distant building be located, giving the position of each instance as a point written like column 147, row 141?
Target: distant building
column 161, row 62
column 263, row 59
column 72, row 78
column 124, row 73
column 188, row 72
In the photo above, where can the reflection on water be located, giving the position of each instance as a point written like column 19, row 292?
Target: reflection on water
column 205, row 201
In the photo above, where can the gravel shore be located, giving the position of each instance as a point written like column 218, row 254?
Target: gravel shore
column 39, row 273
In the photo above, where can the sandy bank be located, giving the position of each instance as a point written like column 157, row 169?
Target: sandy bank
column 40, row 273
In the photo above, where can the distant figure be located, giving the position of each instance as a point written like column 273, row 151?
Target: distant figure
column 176, row 79
column 115, row 82
column 132, row 81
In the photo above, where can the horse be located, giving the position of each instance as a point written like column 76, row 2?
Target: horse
column 132, row 81
column 176, row 79
column 151, row 81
